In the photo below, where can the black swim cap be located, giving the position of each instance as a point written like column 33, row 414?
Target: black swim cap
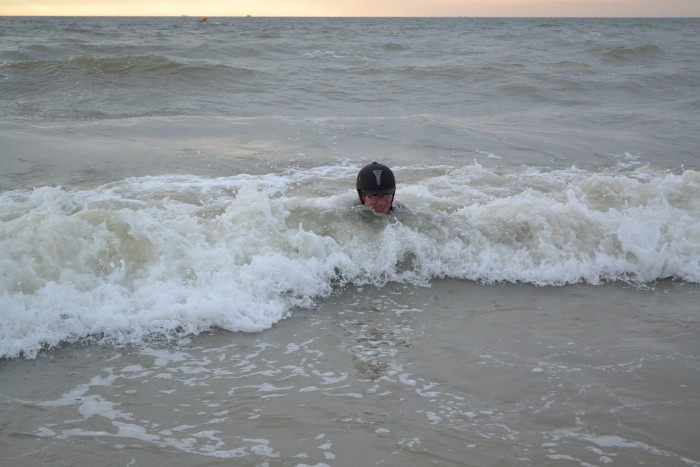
column 376, row 178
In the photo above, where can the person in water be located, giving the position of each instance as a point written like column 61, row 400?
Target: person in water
column 376, row 187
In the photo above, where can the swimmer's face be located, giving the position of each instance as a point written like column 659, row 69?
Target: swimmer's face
column 380, row 203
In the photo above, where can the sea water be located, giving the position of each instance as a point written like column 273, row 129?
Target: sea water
column 168, row 174
column 167, row 177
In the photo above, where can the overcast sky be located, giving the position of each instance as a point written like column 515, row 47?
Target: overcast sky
column 213, row 8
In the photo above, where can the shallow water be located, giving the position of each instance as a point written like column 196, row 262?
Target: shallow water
column 454, row 374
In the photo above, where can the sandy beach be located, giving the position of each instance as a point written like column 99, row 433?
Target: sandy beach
column 453, row 374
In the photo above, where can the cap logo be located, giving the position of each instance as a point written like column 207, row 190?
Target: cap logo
column 378, row 174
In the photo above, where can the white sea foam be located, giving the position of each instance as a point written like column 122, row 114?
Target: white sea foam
column 175, row 255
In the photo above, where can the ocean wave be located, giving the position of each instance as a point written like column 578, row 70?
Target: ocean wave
column 131, row 65
column 119, row 68
column 89, row 87
column 394, row 47
column 630, row 54
column 181, row 254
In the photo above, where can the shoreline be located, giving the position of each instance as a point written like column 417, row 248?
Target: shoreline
column 457, row 373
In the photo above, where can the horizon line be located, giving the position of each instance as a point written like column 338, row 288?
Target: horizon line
column 347, row 16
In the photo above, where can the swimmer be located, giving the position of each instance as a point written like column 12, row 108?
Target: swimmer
column 376, row 187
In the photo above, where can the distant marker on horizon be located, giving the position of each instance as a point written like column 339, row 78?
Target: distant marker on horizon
column 204, row 18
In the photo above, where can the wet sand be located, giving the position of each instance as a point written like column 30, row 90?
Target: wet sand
column 454, row 374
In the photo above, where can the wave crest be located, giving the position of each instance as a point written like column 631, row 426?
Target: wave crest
column 179, row 254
